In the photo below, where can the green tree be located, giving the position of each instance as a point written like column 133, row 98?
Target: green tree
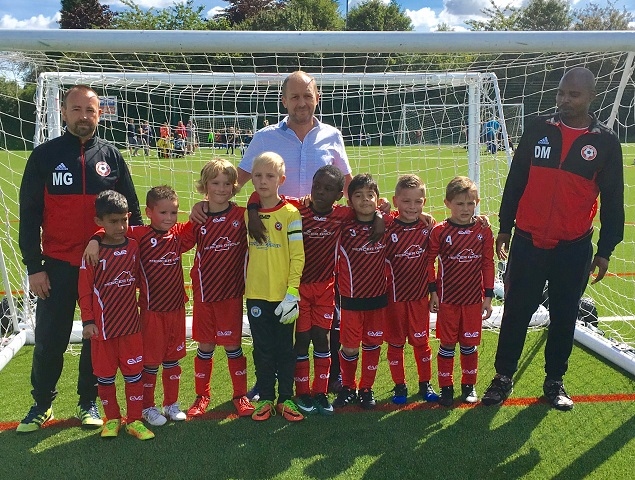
column 545, row 15
column 179, row 16
column 595, row 17
column 85, row 14
column 240, row 10
column 375, row 15
column 296, row 15
column 502, row 18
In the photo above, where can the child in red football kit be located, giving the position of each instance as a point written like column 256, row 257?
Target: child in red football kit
column 161, row 299
column 110, row 315
column 462, row 289
column 218, row 285
column 408, row 315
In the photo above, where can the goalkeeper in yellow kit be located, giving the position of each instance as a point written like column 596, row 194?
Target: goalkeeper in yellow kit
column 273, row 276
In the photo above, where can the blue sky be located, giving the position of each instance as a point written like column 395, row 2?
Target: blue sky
column 425, row 14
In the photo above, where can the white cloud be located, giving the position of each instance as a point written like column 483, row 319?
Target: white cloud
column 214, row 11
column 39, row 22
column 424, row 19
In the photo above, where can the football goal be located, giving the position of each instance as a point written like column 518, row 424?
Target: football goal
column 405, row 103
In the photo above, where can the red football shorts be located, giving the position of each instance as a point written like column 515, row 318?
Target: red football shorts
column 409, row 320
column 163, row 336
column 124, row 353
column 362, row 327
column 220, row 323
column 317, row 304
column 460, row 324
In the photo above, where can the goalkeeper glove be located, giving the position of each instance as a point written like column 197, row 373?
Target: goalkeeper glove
column 288, row 309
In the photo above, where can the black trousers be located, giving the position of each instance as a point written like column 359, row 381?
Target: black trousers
column 274, row 356
column 53, row 325
column 566, row 268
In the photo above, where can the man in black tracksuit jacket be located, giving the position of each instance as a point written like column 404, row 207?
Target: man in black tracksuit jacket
column 561, row 165
column 61, row 179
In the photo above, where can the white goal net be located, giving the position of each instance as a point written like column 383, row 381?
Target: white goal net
column 420, row 108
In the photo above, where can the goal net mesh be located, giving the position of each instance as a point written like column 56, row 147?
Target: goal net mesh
column 393, row 119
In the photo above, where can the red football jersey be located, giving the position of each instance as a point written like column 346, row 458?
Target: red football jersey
column 108, row 292
column 465, row 262
column 219, row 266
column 361, row 265
column 406, row 260
column 161, row 285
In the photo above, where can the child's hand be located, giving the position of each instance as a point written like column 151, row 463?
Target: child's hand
column 378, row 229
column 256, row 228
column 306, row 200
column 91, row 253
column 384, row 206
column 199, row 213
column 487, row 308
column 90, row 331
column 434, row 302
column 483, row 219
column 427, row 219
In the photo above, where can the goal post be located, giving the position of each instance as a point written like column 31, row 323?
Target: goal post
column 369, row 82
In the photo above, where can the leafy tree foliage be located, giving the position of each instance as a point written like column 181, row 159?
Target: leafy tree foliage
column 85, row 14
column 595, row 17
column 545, row 15
column 240, row 10
column 375, row 15
column 502, row 18
column 179, row 16
column 298, row 15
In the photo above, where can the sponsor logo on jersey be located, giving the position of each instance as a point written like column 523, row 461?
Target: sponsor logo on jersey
column 465, row 255
column 320, row 219
column 317, row 232
column 479, row 237
column 235, row 224
column 61, row 167
column 589, row 152
column 62, row 178
column 118, row 253
column 370, row 248
column 278, row 226
column 124, row 279
column 377, row 333
column 170, row 258
column 256, row 312
column 264, row 217
column 102, row 169
column 543, row 141
column 471, row 334
column 134, row 361
column 219, row 219
column 413, row 251
column 222, row 244
column 465, row 232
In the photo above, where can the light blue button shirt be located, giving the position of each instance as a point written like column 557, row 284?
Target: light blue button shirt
column 323, row 145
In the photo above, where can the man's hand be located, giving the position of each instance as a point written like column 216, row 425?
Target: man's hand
column 288, row 308
column 40, row 285
column 91, row 253
column 90, row 331
column 483, row 220
column 256, row 228
column 602, row 264
column 487, row 308
column 502, row 245
column 199, row 213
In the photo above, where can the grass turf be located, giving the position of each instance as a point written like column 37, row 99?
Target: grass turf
column 525, row 439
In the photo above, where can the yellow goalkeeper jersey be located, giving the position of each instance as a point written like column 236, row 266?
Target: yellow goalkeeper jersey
column 278, row 263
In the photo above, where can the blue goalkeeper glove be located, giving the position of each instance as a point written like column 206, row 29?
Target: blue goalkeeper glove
column 289, row 309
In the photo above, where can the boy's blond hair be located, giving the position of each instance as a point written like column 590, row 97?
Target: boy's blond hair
column 410, row 181
column 459, row 185
column 213, row 169
column 158, row 193
column 269, row 159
